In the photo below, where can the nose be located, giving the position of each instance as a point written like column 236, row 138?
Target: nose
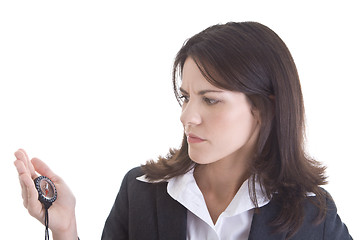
column 190, row 115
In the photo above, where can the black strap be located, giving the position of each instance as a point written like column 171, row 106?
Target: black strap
column 46, row 224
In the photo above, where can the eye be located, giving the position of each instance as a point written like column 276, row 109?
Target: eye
column 184, row 98
column 210, row 101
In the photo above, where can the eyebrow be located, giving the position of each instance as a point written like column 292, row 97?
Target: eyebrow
column 202, row 92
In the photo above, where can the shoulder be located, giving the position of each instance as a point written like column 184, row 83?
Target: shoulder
column 134, row 173
column 334, row 228
column 135, row 196
column 131, row 178
column 312, row 228
column 136, row 189
column 328, row 227
column 331, row 226
column 137, row 175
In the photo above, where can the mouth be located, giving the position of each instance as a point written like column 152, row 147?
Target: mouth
column 191, row 138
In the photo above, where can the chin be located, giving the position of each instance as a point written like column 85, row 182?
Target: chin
column 200, row 158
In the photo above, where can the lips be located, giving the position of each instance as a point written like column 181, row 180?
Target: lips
column 191, row 138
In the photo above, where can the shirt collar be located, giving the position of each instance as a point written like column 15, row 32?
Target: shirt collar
column 184, row 189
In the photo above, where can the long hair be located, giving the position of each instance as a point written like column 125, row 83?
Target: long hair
column 249, row 57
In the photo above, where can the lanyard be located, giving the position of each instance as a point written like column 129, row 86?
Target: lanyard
column 47, row 195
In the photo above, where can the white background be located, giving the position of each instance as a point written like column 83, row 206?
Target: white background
column 86, row 87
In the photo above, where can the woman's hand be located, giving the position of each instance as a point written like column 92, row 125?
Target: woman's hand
column 62, row 212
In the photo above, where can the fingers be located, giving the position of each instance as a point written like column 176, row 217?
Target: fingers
column 28, row 191
column 23, row 174
column 27, row 186
column 30, row 197
column 27, row 175
column 20, row 167
column 43, row 169
column 28, row 167
column 25, row 166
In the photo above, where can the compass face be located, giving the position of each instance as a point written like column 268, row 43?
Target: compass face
column 47, row 188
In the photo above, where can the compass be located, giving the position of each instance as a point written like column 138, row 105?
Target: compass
column 46, row 189
column 47, row 195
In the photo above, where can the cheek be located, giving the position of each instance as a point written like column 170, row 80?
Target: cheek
column 227, row 131
column 234, row 126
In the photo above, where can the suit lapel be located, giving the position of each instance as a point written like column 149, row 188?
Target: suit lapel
column 171, row 216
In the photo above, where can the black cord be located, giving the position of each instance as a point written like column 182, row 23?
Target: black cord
column 46, row 224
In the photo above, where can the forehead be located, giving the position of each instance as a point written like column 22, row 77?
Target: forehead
column 193, row 78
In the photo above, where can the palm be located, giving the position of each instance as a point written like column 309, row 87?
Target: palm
column 62, row 210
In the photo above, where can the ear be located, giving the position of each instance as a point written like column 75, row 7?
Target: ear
column 256, row 113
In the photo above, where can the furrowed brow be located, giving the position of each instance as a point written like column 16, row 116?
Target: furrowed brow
column 202, row 92
column 183, row 91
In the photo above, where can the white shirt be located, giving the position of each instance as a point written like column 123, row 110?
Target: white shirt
column 233, row 224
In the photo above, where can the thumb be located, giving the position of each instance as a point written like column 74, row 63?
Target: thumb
column 43, row 169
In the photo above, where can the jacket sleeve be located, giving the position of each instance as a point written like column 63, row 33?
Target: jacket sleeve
column 334, row 228
column 116, row 225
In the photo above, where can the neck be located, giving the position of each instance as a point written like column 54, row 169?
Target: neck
column 219, row 182
column 222, row 178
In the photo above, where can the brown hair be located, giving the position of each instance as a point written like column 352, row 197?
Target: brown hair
column 250, row 58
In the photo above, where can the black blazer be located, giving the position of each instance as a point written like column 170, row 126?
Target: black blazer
column 145, row 211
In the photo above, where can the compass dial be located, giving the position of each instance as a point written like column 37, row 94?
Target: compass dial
column 46, row 189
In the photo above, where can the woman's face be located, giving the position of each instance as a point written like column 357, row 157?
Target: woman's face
column 219, row 124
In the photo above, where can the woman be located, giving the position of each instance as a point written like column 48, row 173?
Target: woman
column 241, row 172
